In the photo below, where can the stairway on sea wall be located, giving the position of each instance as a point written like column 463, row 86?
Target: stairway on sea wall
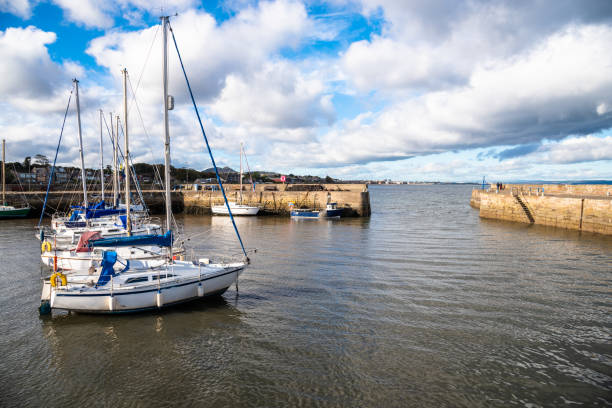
column 562, row 207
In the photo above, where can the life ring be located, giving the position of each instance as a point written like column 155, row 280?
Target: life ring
column 58, row 275
column 46, row 246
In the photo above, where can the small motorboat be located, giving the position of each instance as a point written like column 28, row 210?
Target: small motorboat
column 331, row 211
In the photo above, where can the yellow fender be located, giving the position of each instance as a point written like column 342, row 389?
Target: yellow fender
column 59, row 275
column 46, row 246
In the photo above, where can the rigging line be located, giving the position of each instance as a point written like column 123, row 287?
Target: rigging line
column 249, row 169
column 195, row 107
column 156, row 170
column 20, row 186
column 130, row 162
column 55, row 159
column 157, row 175
column 143, row 66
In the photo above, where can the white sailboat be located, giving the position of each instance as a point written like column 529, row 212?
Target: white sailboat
column 120, row 285
column 237, row 208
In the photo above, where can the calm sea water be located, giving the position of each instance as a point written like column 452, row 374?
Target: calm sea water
column 424, row 305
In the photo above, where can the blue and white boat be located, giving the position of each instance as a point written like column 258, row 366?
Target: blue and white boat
column 331, row 211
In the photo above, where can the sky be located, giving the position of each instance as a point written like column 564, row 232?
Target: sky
column 415, row 90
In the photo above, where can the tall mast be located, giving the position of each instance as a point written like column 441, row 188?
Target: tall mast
column 115, row 173
column 126, row 159
column 101, row 158
column 78, row 107
column 117, row 153
column 241, row 173
column 166, row 126
column 3, row 172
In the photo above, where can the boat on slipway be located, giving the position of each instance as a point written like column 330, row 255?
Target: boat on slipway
column 121, row 285
column 9, row 211
column 236, row 208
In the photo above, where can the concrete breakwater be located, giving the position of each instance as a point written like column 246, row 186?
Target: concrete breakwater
column 578, row 207
column 273, row 199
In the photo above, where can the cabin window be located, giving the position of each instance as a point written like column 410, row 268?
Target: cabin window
column 138, row 279
column 163, row 276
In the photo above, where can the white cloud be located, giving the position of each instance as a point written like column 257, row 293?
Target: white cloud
column 90, row 13
column 102, row 14
column 278, row 96
column 21, row 8
column 553, row 91
column 578, row 149
column 437, row 44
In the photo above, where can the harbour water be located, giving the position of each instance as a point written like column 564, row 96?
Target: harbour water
column 423, row 304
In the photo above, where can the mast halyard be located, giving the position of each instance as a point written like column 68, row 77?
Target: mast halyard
column 166, row 129
column 78, row 107
column 117, row 121
column 240, row 173
column 101, row 158
column 126, row 159
column 115, row 173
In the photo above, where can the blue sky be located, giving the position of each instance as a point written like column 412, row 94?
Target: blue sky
column 367, row 89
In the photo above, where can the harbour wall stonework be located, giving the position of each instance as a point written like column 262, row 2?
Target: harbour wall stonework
column 354, row 199
column 584, row 207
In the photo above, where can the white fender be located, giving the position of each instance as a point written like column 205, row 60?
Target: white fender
column 159, row 298
column 200, row 290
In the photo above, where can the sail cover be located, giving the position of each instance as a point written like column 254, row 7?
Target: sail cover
column 108, row 262
column 86, row 237
column 150, row 239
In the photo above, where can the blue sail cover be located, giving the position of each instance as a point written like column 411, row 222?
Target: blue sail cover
column 108, row 262
column 95, row 211
column 151, row 239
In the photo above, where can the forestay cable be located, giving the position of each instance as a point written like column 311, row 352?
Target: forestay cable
column 42, row 213
column 195, row 107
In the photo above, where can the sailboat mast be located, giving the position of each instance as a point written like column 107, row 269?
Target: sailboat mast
column 115, row 174
column 126, row 159
column 101, row 158
column 166, row 126
column 3, row 172
column 240, row 173
column 78, row 107
column 117, row 163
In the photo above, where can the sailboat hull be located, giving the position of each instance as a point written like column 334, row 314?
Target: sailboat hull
column 236, row 210
column 142, row 299
column 14, row 212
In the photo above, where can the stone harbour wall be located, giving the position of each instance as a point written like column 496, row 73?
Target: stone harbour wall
column 591, row 212
column 354, row 203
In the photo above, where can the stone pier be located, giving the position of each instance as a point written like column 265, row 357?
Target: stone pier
column 578, row 207
column 354, row 199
